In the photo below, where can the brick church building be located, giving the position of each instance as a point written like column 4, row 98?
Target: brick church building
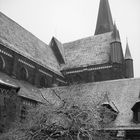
column 97, row 62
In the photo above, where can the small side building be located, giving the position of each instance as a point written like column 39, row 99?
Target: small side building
column 8, row 104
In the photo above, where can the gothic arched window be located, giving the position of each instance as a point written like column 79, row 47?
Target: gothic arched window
column 2, row 63
column 23, row 73
column 43, row 82
column 136, row 112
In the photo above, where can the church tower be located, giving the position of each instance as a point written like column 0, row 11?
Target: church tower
column 116, row 55
column 104, row 21
column 129, row 73
column 105, row 25
column 116, row 47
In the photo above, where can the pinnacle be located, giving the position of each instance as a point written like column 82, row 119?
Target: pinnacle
column 116, row 34
column 127, row 52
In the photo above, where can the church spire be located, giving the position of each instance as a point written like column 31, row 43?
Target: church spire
column 127, row 52
column 104, row 22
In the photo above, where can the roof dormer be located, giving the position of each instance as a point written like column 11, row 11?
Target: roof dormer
column 108, row 110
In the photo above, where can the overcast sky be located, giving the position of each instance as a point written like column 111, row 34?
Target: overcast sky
column 69, row 20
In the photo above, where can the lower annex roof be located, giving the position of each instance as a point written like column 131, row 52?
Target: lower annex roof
column 124, row 93
column 26, row 90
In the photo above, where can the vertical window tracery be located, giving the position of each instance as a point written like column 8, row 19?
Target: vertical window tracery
column 23, row 74
column 2, row 63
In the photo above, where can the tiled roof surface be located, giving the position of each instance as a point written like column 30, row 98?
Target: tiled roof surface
column 17, row 38
column 87, row 51
column 123, row 93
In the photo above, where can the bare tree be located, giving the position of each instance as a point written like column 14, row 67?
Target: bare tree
column 77, row 118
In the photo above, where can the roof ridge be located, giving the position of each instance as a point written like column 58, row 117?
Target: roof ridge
column 91, row 83
column 93, row 36
column 22, row 27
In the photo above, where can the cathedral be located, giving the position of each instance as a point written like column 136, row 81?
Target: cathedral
column 29, row 68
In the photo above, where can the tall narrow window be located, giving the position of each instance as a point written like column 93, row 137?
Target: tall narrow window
column 43, row 82
column 23, row 113
column 2, row 63
column 23, row 73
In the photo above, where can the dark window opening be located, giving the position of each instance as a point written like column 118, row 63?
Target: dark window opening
column 136, row 112
column 43, row 82
column 23, row 74
column 2, row 63
column 23, row 113
column 77, row 78
column 107, row 113
column 98, row 76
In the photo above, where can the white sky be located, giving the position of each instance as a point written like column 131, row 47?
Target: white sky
column 69, row 20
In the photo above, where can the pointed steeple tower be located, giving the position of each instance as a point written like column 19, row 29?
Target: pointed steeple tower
column 116, row 47
column 129, row 72
column 104, row 22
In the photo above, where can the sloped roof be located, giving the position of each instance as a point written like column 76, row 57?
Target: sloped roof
column 87, row 51
column 8, row 84
column 83, row 52
column 58, row 50
column 17, row 38
column 123, row 93
column 60, row 46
